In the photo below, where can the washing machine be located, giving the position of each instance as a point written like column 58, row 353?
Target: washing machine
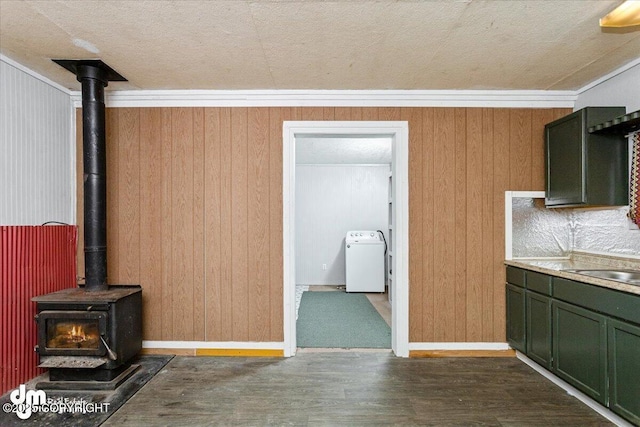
column 364, row 261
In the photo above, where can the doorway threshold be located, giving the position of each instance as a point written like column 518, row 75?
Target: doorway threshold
column 302, row 350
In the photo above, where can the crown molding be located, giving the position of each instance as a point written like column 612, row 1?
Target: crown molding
column 338, row 98
column 334, row 98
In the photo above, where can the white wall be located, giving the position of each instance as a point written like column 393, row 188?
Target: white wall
column 37, row 156
column 331, row 200
column 620, row 90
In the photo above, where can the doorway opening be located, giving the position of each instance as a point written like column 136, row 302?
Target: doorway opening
column 397, row 134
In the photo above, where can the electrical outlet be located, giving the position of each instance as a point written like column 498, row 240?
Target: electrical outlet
column 324, row 266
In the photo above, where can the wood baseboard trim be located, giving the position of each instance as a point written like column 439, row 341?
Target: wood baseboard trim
column 461, row 353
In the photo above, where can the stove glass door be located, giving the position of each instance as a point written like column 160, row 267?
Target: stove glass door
column 71, row 332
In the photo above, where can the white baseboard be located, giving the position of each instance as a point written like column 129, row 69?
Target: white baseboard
column 235, row 345
column 459, row 346
column 572, row 391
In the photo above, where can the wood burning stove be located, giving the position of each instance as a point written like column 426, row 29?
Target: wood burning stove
column 88, row 335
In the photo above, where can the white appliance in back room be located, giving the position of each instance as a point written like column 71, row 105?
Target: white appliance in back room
column 364, row 261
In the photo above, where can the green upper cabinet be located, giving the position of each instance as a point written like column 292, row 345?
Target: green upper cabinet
column 582, row 168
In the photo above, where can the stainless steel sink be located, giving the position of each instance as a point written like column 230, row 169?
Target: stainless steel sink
column 625, row 276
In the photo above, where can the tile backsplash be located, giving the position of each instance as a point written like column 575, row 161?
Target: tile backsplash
column 542, row 232
column 605, row 230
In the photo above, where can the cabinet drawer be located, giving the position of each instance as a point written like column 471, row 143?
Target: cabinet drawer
column 515, row 276
column 539, row 282
column 609, row 301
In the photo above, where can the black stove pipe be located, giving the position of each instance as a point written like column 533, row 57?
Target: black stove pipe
column 94, row 80
column 94, row 76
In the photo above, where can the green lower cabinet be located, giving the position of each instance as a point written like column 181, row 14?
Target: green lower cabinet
column 516, row 317
column 586, row 335
column 580, row 349
column 624, row 370
column 539, row 328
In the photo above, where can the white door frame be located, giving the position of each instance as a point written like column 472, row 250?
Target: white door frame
column 399, row 133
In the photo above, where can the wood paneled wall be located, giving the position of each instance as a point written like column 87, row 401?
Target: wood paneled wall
column 195, row 214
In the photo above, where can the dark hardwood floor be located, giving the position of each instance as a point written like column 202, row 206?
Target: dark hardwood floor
column 351, row 389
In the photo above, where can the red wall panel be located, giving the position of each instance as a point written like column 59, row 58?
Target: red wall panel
column 34, row 260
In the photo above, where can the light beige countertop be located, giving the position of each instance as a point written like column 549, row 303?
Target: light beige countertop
column 583, row 261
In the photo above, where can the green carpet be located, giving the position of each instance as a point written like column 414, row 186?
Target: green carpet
column 340, row 320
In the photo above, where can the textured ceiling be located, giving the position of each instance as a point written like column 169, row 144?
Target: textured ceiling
column 315, row 44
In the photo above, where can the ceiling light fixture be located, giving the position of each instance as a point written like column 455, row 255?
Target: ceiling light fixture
column 625, row 15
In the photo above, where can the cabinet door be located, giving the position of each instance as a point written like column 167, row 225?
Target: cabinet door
column 516, row 317
column 565, row 161
column 624, row 370
column 539, row 328
column 584, row 168
column 580, row 349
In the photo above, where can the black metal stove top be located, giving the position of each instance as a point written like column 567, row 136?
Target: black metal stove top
column 81, row 295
